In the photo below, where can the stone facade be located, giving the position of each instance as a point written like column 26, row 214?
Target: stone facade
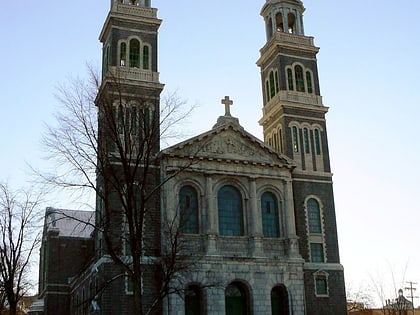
column 255, row 220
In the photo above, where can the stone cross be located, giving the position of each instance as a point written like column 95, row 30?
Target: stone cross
column 227, row 102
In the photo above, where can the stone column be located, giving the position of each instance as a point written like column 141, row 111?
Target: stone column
column 211, row 218
column 292, row 239
column 254, row 220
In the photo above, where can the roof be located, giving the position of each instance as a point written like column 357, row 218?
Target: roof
column 70, row 223
column 228, row 140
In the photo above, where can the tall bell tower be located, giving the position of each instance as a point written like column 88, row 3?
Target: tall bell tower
column 294, row 125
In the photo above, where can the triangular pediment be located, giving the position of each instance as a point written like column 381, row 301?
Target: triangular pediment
column 229, row 143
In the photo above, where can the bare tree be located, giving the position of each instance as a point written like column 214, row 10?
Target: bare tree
column 107, row 141
column 19, row 219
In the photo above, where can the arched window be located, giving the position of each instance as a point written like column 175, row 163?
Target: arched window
column 267, row 90
column 309, row 82
column 146, row 57
column 134, row 53
column 306, row 140
column 291, row 20
column 314, row 216
column 300, row 82
column 295, row 136
column 270, row 215
column 236, row 300
column 279, row 22
column 188, row 207
column 290, row 79
column 272, row 86
column 193, row 300
column 229, row 202
column 317, row 142
column 279, row 301
column 276, row 79
column 280, row 140
column 123, row 54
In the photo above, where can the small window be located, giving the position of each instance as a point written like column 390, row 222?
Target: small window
column 290, row 79
column 272, row 86
column 321, row 285
column 317, row 253
column 295, row 139
column 270, row 215
column 300, row 82
column 309, row 82
column 106, row 59
column 306, row 140
column 134, row 124
column 134, row 53
column 267, row 90
column 123, row 54
column 279, row 22
column 314, row 216
column 146, row 57
column 317, row 142
column 276, row 79
column 230, row 211
column 291, row 19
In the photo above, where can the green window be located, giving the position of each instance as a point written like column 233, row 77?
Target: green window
column 123, row 54
column 317, row 142
column 276, row 79
column 134, row 53
column 236, row 301
column 306, row 140
column 146, row 57
column 309, row 82
column 317, row 253
column 295, row 136
column 314, row 216
column 321, row 285
column 188, row 207
column 279, row 301
column 272, row 86
column 290, row 79
column 300, row 83
column 193, row 300
column 229, row 202
column 270, row 215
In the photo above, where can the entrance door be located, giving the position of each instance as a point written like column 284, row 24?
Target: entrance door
column 236, row 300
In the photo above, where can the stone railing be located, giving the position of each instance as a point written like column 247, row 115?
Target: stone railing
column 130, row 9
column 134, row 74
column 293, row 97
column 294, row 39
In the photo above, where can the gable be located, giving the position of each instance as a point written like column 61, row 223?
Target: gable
column 228, row 143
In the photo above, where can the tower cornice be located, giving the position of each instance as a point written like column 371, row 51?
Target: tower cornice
column 286, row 40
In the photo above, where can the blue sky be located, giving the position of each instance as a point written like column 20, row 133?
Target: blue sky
column 369, row 69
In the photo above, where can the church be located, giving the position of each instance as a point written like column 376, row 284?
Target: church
column 257, row 218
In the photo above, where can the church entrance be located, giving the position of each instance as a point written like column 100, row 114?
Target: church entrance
column 279, row 301
column 236, row 300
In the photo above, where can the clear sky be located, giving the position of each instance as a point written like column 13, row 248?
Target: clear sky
column 369, row 69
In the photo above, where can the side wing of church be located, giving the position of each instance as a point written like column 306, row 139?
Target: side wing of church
column 255, row 220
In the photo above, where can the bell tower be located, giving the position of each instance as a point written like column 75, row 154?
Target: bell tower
column 294, row 125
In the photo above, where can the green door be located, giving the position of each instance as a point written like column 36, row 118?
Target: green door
column 235, row 300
